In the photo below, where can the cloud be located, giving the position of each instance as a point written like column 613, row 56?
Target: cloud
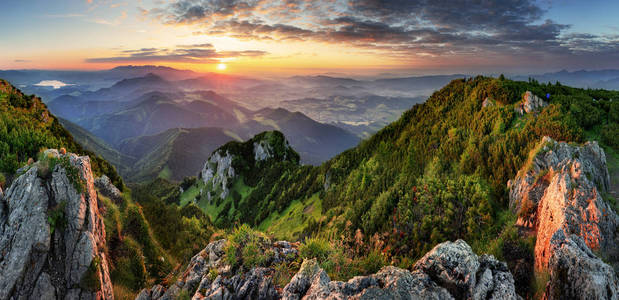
column 198, row 53
column 22, row 61
column 400, row 28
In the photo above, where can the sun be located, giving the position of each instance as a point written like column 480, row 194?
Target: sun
column 221, row 67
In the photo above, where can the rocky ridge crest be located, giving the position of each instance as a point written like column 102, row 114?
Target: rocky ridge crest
column 450, row 271
column 558, row 196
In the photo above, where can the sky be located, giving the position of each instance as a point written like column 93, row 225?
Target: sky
column 320, row 36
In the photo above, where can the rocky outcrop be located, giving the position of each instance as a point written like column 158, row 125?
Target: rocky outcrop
column 208, row 275
column 449, row 271
column 52, row 237
column 530, row 103
column 234, row 158
column 558, row 195
column 219, row 172
column 576, row 273
column 487, row 102
column 105, row 186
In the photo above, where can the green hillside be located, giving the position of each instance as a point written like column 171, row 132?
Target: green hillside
column 98, row 146
column 26, row 127
column 174, row 153
column 438, row 173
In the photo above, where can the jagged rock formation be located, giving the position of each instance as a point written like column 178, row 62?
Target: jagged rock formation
column 52, row 237
column 576, row 273
column 210, row 276
column 219, row 171
column 530, row 103
column 234, row 158
column 487, row 102
column 450, row 271
column 558, row 195
column 105, row 186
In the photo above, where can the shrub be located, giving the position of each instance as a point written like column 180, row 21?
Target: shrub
column 129, row 268
column 316, row 248
column 246, row 248
column 372, row 262
column 56, row 218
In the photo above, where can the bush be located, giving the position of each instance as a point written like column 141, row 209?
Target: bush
column 56, row 218
column 2, row 180
column 129, row 269
column 373, row 262
column 316, row 248
column 246, row 248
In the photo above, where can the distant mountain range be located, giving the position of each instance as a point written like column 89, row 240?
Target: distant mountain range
column 148, row 127
column 183, row 115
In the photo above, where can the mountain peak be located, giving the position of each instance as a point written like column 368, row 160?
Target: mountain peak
column 245, row 159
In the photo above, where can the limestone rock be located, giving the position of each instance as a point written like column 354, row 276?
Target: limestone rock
column 487, row 102
column 197, row 279
column 227, row 162
column 219, row 171
column 558, row 196
column 530, row 103
column 449, row 271
column 108, row 189
column 52, row 235
column 561, row 191
column 576, row 273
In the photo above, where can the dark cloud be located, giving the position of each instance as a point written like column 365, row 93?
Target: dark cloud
column 414, row 28
column 199, row 53
column 22, row 61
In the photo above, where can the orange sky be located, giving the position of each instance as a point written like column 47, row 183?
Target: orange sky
column 259, row 36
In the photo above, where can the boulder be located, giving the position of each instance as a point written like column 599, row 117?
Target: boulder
column 530, row 103
column 449, row 271
column 52, row 236
column 105, row 186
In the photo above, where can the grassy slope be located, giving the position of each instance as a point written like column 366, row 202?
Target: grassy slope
column 98, row 146
column 174, row 153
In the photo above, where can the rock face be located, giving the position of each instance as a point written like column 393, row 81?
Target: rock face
column 449, row 271
column 234, row 158
column 52, row 237
column 530, row 103
column 576, row 273
column 558, row 196
column 218, row 170
column 108, row 189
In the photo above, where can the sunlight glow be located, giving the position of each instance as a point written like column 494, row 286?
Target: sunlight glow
column 221, row 67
